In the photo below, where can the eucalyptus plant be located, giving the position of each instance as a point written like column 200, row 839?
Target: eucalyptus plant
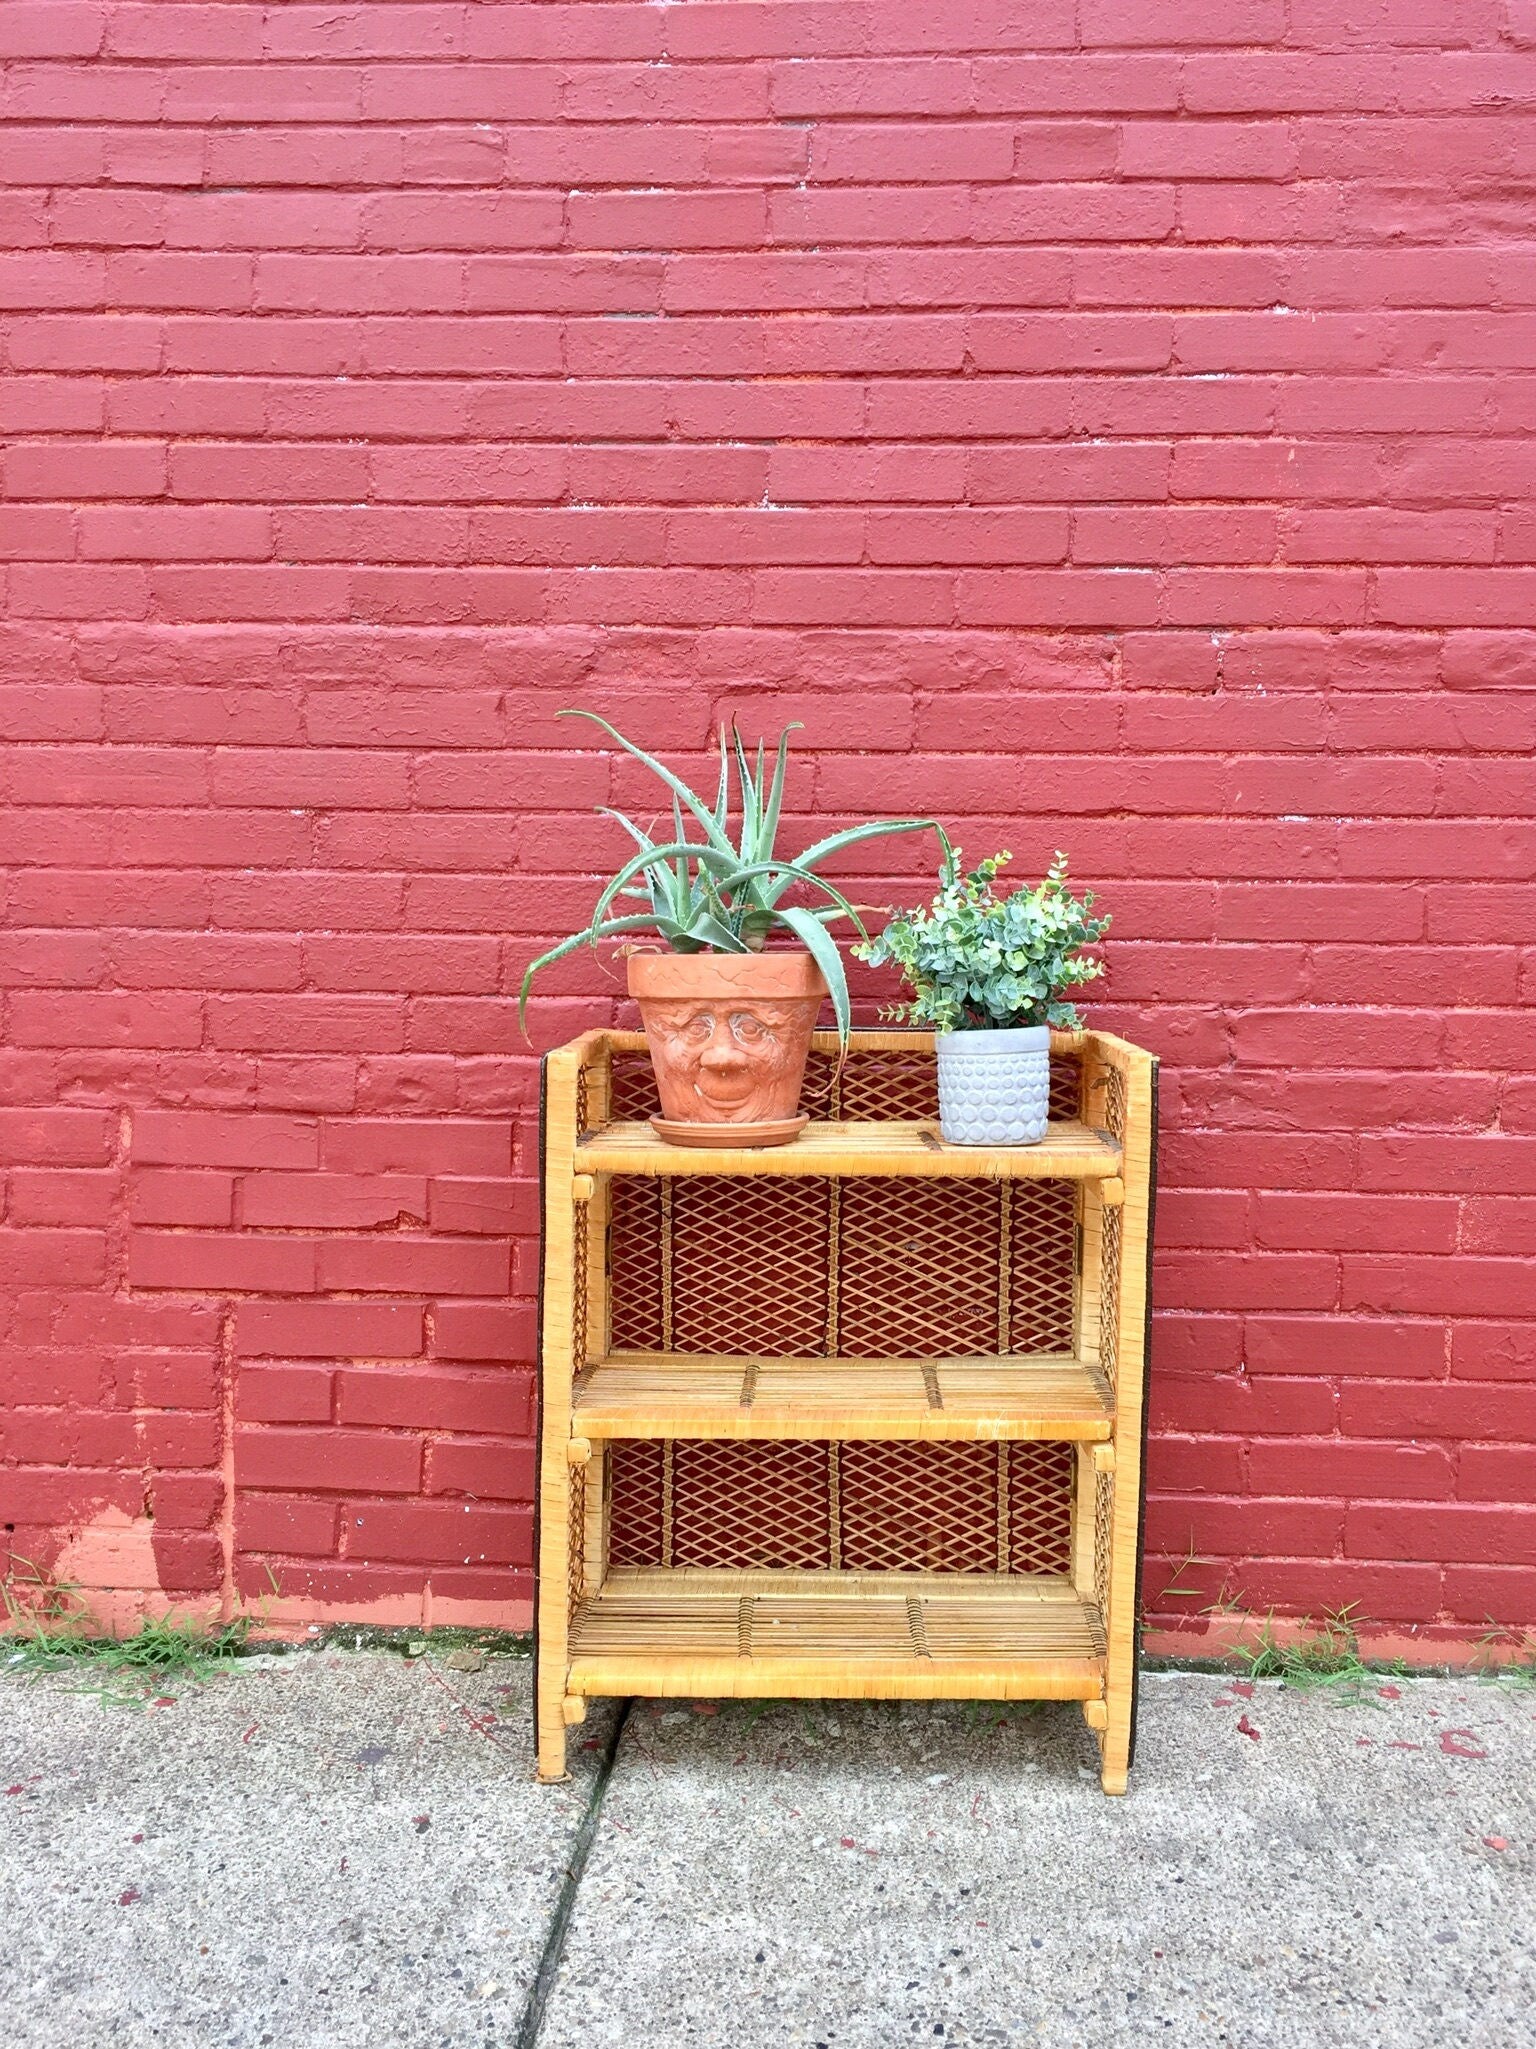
column 713, row 893
column 977, row 961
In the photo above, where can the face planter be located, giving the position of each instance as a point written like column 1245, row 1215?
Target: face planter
column 729, row 1034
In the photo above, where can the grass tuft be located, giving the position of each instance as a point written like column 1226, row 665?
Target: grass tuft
column 51, row 1630
column 1507, row 1657
column 1326, row 1659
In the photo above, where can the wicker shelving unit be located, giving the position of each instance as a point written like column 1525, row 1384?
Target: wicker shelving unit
column 858, row 1417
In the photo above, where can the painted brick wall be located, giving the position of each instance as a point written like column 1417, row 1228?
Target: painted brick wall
column 1111, row 428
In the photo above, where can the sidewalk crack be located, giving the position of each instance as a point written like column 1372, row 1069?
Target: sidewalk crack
column 532, row 2023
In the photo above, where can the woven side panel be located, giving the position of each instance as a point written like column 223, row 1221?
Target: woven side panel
column 749, row 1264
column 853, row 1507
column 632, row 1087
column 1114, row 1102
column 744, row 1266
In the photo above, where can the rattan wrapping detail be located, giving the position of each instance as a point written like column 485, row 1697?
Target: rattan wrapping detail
column 1109, row 1296
column 858, row 1506
column 1103, row 1536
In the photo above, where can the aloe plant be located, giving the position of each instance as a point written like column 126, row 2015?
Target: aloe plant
column 718, row 894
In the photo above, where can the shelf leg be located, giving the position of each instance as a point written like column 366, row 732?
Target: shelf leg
column 1115, row 1746
column 552, row 1728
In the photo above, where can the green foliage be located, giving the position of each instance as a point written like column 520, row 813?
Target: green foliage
column 718, row 895
column 1327, row 1659
column 50, row 1628
column 1507, row 1657
column 977, row 961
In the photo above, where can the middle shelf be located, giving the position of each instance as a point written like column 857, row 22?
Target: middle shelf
column 983, row 1398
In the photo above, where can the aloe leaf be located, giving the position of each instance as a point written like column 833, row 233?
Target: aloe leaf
column 723, row 793
column 776, row 789
column 680, row 866
column 711, row 932
column 822, row 948
column 749, row 802
column 641, row 839
column 851, row 838
column 588, row 937
column 949, row 865
column 793, row 871
column 673, row 782
column 656, row 860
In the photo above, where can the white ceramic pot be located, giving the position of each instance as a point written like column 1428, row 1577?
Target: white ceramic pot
column 994, row 1087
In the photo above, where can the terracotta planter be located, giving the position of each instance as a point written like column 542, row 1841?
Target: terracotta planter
column 729, row 1034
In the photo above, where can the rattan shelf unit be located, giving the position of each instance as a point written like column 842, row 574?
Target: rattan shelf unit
column 857, row 1417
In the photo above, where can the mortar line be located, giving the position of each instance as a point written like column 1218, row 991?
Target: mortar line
column 532, row 2023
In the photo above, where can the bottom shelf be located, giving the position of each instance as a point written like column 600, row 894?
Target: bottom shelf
column 836, row 1636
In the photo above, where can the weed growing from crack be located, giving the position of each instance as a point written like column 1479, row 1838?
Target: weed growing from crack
column 1326, row 1659
column 51, row 1630
column 1507, row 1657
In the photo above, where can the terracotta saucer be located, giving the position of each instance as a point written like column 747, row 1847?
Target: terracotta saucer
column 776, row 1131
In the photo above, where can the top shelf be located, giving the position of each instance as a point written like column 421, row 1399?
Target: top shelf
column 1070, row 1151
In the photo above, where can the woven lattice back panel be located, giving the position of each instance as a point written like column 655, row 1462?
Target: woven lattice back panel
column 875, row 1084
column 851, row 1507
column 853, row 1269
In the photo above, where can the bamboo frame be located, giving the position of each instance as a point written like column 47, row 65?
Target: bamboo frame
column 1053, row 1623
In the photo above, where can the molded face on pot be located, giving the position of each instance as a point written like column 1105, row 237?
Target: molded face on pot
column 729, row 1062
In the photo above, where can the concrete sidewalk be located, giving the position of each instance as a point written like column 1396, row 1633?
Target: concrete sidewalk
column 332, row 1849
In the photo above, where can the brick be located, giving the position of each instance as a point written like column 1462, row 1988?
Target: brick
column 45, row 1018
column 1387, row 1408
column 1470, row 1534
column 1241, row 1407
column 395, row 1261
column 1491, row 1593
column 446, row 1533
column 481, row 1472
column 284, row 1394
column 1493, row 1351
column 281, row 1265
column 62, row 1138
column 1496, row 1472
column 50, row 1195
column 188, row 1565
column 294, row 1525
column 186, row 1501
column 473, row 1330
column 353, row 1461
column 483, row 1205
column 330, row 1201
column 438, row 1399
column 322, row 1330
column 185, row 1138
column 1355, row 1469
column 414, row 1145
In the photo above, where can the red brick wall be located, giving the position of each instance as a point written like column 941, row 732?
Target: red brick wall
column 1112, row 431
